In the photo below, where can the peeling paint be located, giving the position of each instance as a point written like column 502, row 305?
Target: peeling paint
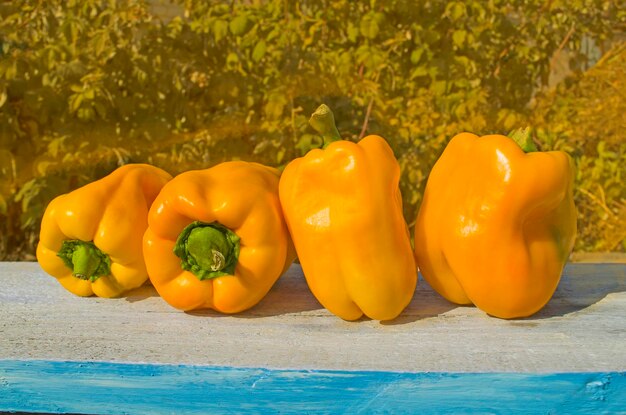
column 118, row 388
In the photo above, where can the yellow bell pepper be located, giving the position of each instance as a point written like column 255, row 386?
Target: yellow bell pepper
column 217, row 237
column 91, row 238
column 497, row 223
column 344, row 210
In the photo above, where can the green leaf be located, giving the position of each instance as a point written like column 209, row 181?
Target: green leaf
column 275, row 105
column 455, row 10
column 56, row 145
column 261, row 146
column 232, row 60
column 259, row 51
column 353, row 32
column 439, row 87
column 280, row 154
column 370, row 24
column 100, row 41
column 416, row 55
column 29, row 191
column 308, row 142
column 43, row 166
column 240, row 25
column 75, row 102
column 86, row 114
column 458, row 37
column 220, row 29
column 419, row 71
column 89, row 93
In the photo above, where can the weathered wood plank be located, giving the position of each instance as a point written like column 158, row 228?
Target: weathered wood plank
column 582, row 329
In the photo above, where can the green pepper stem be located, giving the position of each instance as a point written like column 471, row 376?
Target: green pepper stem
column 323, row 121
column 523, row 139
column 86, row 261
column 207, row 250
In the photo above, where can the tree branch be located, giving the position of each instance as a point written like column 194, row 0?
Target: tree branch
column 367, row 118
column 560, row 48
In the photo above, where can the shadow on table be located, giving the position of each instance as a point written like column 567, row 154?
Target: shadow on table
column 290, row 295
column 426, row 303
column 582, row 286
column 141, row 293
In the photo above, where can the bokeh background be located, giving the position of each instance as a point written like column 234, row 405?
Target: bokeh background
column 86, row 86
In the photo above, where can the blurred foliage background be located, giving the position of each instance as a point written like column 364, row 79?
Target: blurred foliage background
column 88, row 85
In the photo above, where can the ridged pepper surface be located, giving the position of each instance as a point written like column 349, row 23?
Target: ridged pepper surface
column 91, row 238
column 344, row 210
column 217, row 237
column 497, row 223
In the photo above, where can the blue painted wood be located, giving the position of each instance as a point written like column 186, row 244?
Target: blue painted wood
column 115, row 388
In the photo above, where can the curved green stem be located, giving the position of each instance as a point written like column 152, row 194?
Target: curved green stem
column 207, row 250
column 323, row 121
column 86, row 261
column 524, row 139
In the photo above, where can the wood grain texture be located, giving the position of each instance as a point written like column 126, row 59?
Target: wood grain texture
column 115, row 388
column 583, row 329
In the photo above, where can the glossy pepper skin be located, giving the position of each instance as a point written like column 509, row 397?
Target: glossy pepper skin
column 91, row 238
column 227, row 228
column 496, row 224
column 344, row 210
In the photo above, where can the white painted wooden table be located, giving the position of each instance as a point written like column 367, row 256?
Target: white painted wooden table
column 582, row 329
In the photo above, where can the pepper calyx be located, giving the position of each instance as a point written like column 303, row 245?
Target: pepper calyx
column 207, row 250
column 323, row 121
column 85, row 259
